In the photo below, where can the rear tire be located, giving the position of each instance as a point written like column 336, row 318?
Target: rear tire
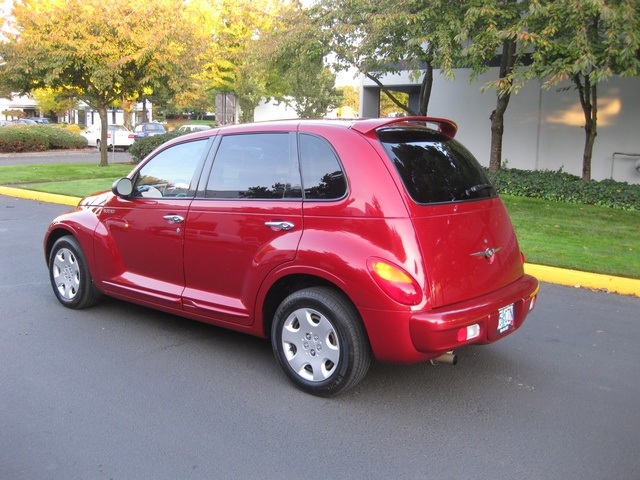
column 69, row 275
column 319, row 341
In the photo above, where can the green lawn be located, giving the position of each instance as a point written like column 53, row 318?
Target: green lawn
column 23, row 174
column 580, row 237
column 75, row 179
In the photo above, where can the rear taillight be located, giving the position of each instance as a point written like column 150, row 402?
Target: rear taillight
column 395, row 282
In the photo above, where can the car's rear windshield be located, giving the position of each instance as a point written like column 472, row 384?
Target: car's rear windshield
column 433, row 167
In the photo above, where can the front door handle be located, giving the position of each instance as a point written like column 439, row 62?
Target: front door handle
column 278, row 225
column 173, row 218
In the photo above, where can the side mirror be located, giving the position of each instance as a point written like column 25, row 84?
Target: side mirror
column 122, row 187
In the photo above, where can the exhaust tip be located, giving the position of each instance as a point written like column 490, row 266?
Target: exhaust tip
column 449, row 358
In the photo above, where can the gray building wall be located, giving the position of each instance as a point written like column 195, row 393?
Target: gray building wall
column 543, row 128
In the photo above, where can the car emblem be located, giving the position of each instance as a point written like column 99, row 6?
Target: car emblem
column 488, row 253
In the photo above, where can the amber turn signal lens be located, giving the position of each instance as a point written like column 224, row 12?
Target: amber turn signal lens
column 395, row 282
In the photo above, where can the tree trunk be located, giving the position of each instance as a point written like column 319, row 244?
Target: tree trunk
column 425, row 90
column 127, row 111
column 497, row 116
column 497, row 131
column 102, row 112
column 589, row 101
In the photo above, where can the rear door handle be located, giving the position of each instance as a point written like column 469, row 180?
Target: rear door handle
column 173, row 218
column 278, row 225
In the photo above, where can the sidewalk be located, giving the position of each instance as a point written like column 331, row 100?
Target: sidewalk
column 571, row 278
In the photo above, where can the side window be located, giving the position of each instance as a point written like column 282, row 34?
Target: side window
column 322, row 175
column 257, row 166
column 170, row 173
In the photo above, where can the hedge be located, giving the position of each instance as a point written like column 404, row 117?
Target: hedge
column 37, row 138
column 564, row 187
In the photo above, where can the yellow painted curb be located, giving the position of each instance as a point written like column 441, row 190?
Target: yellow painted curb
column 40, row 196
column 574, row 278
column 560, row 276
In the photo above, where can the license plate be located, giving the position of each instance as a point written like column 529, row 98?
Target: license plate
column 506, row 319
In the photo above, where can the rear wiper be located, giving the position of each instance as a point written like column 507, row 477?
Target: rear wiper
column 477, row 188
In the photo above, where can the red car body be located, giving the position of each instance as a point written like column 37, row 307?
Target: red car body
column 424, row 278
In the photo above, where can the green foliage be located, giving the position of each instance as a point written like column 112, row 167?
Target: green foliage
column 312, row 90
column 22, row 139
column 564, row 187
column 37, row 138
column 390, row 36
column 98, row 51
column 61, row 138
column 143, row 147
column 585, row 42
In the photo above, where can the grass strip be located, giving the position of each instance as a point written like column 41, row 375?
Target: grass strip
column 580, row 237
column 23, row 174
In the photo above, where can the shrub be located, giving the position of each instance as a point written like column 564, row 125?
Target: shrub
column 564, row 187
column 71, row 127
column 23, row 138
column 37, row 138
column 143, row 147
column 62, row 138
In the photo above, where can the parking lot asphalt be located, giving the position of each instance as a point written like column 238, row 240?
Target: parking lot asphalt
column 559, row 276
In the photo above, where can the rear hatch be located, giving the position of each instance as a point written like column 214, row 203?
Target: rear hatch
column 465, row 234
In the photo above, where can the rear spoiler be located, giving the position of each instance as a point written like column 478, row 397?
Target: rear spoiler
column 444, row 126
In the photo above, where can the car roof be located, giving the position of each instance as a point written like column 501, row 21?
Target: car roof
column 363, row 126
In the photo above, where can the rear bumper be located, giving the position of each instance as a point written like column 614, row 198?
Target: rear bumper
column 445, row 328
column 410, row 337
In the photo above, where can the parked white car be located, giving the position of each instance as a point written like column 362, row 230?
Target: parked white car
column 194, row 128
column 123, row 136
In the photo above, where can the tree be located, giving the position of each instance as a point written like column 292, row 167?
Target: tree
column 313, row 91
column 389, row 107
column 195, row 101
column 14, row 113
column 296, row 61
column 240, row 66
column 99, row 51
column 489, row 32
column 586, row 42
column 350, row 97
column 56, row 102
column 390, row 36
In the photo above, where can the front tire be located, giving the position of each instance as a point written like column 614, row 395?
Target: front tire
column 69, row 275
column 319, row 341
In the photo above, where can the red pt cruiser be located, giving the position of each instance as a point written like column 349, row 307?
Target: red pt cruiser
column 338, row 240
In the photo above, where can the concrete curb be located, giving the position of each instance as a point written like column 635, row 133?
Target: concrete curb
column 571, row 278
column 575, row 278
column 40, row 196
